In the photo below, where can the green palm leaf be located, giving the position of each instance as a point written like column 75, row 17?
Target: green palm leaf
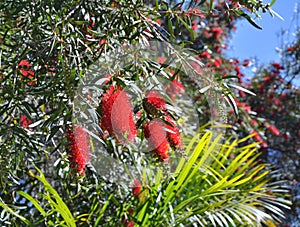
column 212, row 188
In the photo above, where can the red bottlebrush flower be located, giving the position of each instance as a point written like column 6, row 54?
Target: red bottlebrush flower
column 237, row 70
column 253, row 123
column 242, row 94
column 79, row 148
column 246, row 63
column 276, row 101
column 195, row 25
column 261, row 89
column 25, row 63
column 273, row 130
column 277, row 65
column 175, row 88
column 217, row 62
column 158, row 22
column 205, row 54
column 24, row 67
column 217, row 32
column 173, row 133
column 130, row 224
column 157, row 138
column 117, row 115
column 194, row 12
column 240, row 104
column 125, row 221
column 286, row 136
column 154, row 103
column 27, row 73
column 264, row 144
column 218, row 49
column 24, row 121
column 247, row 108
column 267, row 79
column 258, row 138
column 161, row 60
column 136, row 188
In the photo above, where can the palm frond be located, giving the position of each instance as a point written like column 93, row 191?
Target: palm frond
column 216, row 185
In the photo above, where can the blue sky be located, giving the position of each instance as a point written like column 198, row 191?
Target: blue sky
column 250, row 42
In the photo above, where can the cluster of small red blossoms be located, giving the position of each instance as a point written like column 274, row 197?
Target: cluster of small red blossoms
column 156, row 135
column 159, row 134
column 26, row 72
column 175, row 88
column 125, row 220
column 90, row 36
column 79, row 148
column 117, row 115
column 258, row 138
column 24, row 121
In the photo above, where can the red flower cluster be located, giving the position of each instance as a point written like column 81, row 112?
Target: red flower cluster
column 125, row 220
column 293, row 48
column 277, row 65
column 246, row 63
column 175, row 88
column 154, row 100
column 117, row 115
column 161, row 60
column 24, row 67
column 258, row 138
column 160, row 135
column 156, row 135
column 217, row 32
column 273, row 130
column 136, row 188
column 205, row 54
column 24, row 121
column 194, row 12
column 173, row 133
column 79, row 148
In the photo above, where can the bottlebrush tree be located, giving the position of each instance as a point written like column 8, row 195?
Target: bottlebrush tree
column 273, row 116
column 76, row 81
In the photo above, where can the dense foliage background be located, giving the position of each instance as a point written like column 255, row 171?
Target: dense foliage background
column 183, row 110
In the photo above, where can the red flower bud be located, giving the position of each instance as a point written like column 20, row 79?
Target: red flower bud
column 258, row 138
column 253, row 123
column 246, row 63
column 24, row 121
column 286, row 136
column 136, row 188
column 273, row 130
column 161, row 60
column 79, row 148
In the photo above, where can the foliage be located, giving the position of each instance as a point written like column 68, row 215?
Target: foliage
column 48, row 50
column 215, row 184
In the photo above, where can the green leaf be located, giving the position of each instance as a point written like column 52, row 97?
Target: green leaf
column 104, row 207
column 188, row 27
column 170, row 27
column 33, row 201
column 57, row 202
column 249, row 19
column 11, row 211
column 273, row 2
column 211, row 5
